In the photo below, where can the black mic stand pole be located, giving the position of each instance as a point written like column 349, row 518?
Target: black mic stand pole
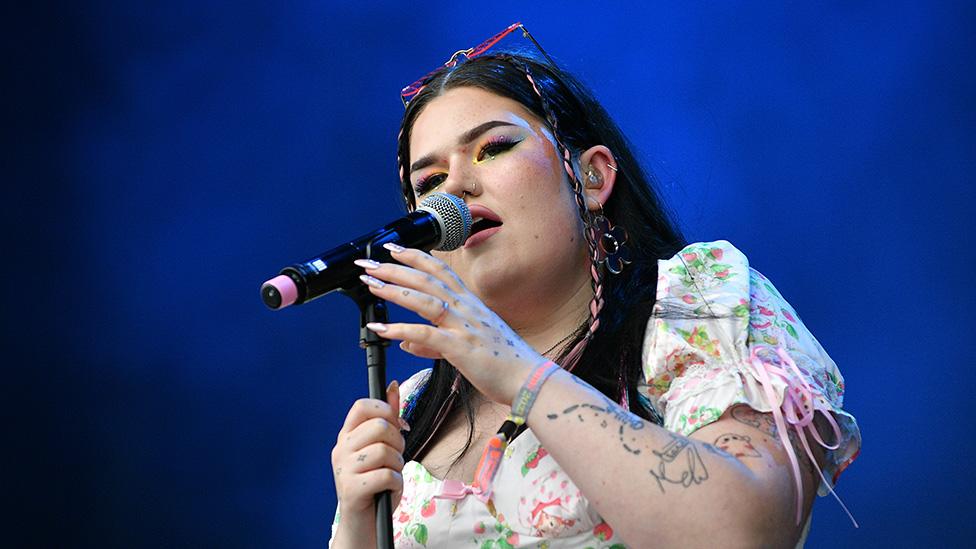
column 373, row 309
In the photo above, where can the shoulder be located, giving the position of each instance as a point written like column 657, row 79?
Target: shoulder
column 713, row 312
column 722, row 335
column 704, row 274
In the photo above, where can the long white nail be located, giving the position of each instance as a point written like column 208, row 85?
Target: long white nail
column 371, row 281
column 376, row 327
column 367, row 263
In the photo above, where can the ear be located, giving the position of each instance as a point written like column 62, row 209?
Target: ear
column 598, row 160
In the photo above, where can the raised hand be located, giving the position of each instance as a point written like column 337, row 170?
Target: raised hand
column 462, row 329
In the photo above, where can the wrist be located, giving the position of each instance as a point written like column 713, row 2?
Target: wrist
column 526, row 396
column 354, row 531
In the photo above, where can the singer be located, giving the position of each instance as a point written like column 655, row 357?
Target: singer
column 596, row 381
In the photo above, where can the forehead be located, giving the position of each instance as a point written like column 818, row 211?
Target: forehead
column 460, row 109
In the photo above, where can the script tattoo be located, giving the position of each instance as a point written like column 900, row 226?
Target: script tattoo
column 679, row 463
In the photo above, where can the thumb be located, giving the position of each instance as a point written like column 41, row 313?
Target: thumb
column 393, row 399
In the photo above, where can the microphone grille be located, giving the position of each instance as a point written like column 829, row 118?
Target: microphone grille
column 455, row 219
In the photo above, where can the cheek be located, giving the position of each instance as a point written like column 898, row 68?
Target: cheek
column 534, row 176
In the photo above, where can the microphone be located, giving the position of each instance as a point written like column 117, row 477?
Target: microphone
column 441, row 222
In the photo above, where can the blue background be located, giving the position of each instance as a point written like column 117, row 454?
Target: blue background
column 165, row 158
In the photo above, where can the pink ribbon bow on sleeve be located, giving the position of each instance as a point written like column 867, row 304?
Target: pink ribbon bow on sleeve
column 799, row 408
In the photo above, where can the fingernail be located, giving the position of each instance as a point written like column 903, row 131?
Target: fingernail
column 404, row 426
column 373, row 282
column 392, row 385
column 395, row 248
column 376, row 327
column 367, row 263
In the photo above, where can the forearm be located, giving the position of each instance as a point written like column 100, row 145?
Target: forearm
column 647, row 482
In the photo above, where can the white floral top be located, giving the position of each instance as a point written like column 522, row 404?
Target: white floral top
column 721, row 320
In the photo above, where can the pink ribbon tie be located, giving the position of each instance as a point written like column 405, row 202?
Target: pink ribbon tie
column 799, row 409
column 457, row 490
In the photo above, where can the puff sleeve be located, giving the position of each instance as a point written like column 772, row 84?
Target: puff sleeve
column 721, row 335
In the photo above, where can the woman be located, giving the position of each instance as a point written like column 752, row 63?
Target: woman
column 664, row 425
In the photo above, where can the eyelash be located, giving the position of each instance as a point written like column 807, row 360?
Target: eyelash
column 492, row 148
column 499, row 144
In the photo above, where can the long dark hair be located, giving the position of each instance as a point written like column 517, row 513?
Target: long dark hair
column 611, row 359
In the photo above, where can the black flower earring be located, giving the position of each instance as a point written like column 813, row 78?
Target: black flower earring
column 611, row 243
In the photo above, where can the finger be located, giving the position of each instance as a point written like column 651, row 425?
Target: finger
column 362, row 411
column 427, row 263
column 432, row 337
column 375, row 456
column 421, row 351
column 393, row 397
column 378, row 429
column 431, row 308
column 398, row 415
column 407, row 277
column 380, row 480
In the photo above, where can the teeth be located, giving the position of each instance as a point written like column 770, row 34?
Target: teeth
column 476, row 219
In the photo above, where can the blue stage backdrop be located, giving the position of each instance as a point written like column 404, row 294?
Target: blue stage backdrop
column 171, row 156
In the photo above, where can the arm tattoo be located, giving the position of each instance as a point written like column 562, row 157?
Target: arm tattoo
column 677, row 463
column 754, row 419
column 736, row 445
column 765, row 423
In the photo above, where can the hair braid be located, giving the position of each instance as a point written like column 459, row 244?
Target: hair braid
column 589, row 229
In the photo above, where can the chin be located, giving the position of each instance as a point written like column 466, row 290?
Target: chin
column 494, row 284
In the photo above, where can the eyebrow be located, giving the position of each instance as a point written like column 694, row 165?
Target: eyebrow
column 466, row 137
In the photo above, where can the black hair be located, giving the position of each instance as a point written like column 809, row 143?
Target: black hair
column 612, row 357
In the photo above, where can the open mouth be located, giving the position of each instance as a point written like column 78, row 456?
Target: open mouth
column 482, row 223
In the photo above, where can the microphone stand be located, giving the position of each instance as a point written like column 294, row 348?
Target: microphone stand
column 373, row 309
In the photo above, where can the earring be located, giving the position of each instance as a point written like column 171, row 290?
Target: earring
column 611, row 243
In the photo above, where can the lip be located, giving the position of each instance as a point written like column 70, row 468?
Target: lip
column 479, row 237
column 483, row 212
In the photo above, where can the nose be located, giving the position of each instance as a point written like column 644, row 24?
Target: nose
column 460, row 179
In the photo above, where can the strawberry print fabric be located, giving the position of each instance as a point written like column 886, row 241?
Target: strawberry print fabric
column 712, row 308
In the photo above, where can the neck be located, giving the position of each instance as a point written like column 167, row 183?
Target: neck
column 561, row 319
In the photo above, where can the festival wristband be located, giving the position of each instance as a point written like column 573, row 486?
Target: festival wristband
column 530, row 391
column 492, row 456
